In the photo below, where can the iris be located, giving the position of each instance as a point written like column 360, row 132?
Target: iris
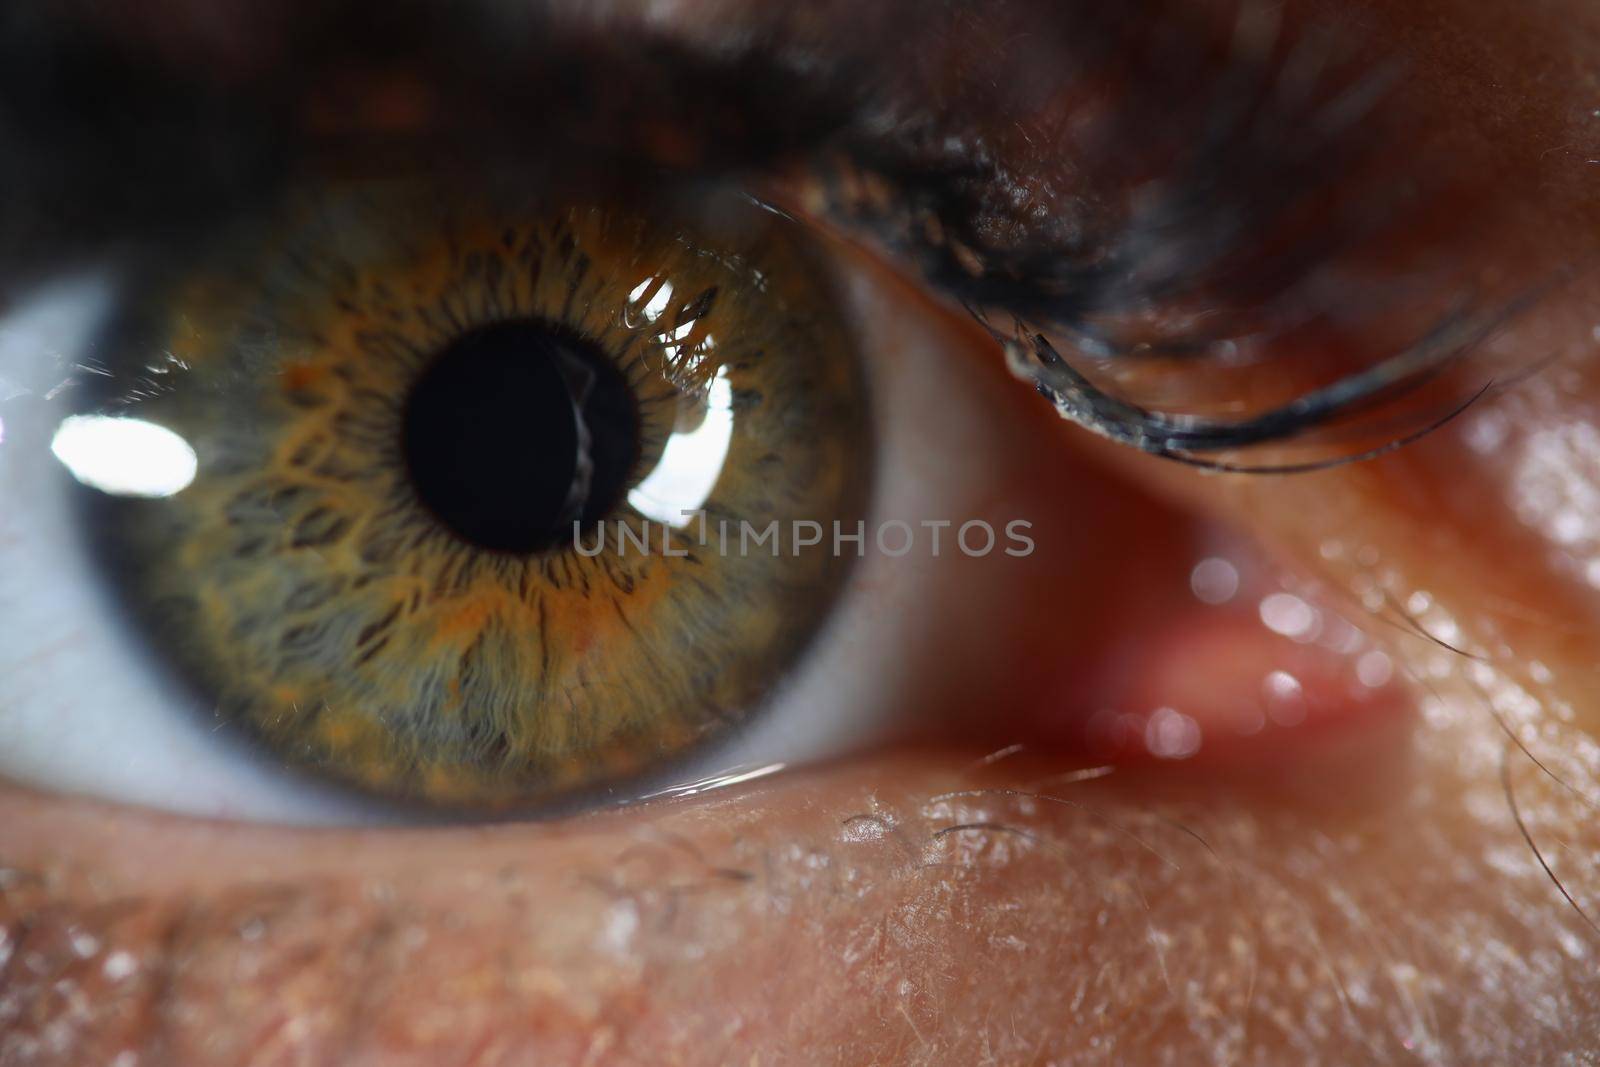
column 404, row 398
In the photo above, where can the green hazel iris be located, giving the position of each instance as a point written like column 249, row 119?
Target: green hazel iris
column 403, row 399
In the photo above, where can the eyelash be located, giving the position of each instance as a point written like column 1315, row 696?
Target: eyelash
column 1208, row 235
column 931, row 187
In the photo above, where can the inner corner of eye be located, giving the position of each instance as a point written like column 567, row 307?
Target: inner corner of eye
column 484, row 502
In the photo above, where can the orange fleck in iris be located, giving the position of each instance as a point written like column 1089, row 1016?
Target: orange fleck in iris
column 298, row 377
column 468, row 620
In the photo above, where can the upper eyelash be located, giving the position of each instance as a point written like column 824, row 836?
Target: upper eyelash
column 1219, row 206
column 1065, row 283
column 1213, row 205
column 1181, row 438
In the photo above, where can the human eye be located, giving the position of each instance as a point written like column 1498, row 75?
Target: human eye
column 926, row 807
column 442, row 606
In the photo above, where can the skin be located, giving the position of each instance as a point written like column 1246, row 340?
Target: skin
column 1377, row 892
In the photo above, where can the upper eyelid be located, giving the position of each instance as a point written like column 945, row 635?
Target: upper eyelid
column 782, row 115
column 119, row 141
column 747, row 91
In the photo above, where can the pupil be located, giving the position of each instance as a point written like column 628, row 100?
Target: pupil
column 494, row 429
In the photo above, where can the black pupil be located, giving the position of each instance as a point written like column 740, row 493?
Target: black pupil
column 493, row 436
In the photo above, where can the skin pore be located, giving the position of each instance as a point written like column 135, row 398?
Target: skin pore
column 1414, row 888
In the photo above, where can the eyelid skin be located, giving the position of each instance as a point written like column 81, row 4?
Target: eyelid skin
column 920, row 911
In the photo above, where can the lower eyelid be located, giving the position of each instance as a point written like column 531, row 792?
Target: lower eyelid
column 825, row 893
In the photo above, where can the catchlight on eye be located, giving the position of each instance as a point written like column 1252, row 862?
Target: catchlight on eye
column 124, row 457
column 408, row 408
column 687, row 472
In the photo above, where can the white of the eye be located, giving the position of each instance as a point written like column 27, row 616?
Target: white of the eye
column 691, row 463
column 83, row 708
column 124, row 456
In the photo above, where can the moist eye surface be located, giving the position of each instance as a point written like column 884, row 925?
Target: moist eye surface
column 435, row 546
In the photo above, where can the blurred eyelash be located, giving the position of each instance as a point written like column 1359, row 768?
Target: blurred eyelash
column 1183, row 234
column 1218, row 234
